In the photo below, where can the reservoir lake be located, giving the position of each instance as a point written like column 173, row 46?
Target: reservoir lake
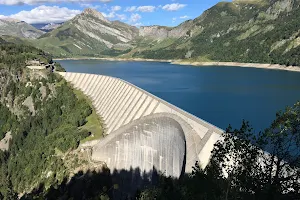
column 216, row 94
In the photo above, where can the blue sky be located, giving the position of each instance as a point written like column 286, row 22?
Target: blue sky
column 136, row 12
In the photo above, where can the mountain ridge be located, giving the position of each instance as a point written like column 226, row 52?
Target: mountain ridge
column 47, row 27
column 14, row 27
column 88, row 33
column 236, row 32
column 261, row 31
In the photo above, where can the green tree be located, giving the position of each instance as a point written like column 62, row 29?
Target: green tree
column 249, row 171
column 240, row 168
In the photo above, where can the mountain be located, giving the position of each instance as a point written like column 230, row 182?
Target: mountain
column 47, row 27
column 50, row 27
column 89, row 34
column 262, row 31
column 265, row 31
column 13, row 27
column 163, row 32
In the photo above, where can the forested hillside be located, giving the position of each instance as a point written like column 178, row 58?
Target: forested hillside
column 251, row 175
column 260, row 31
column 43, row 115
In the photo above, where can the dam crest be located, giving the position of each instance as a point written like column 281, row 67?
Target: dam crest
column 143, row 130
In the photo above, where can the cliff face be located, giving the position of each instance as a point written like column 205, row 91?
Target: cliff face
column 163, row 32
column 17, row 82
column 154, row 32
column 93, row 24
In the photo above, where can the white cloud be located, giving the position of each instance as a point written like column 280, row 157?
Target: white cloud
column 32, row 2
column 138, row 24
column 173, row 19
column 134, row 18
column 130, row 9
column 146, row 8
column 46, row 14
column 173, row 6
column 109, row 15
column 184, row 17
column 121, row 17
column 140, row 8
column 89, row 5
column 116, row 8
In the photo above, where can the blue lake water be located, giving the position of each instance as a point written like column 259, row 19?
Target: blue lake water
column 219, row 95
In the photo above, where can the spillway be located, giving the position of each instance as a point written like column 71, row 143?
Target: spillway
column 143, row 130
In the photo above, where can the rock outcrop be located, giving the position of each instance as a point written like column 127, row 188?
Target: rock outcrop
column 94, row 24
column 163, row 32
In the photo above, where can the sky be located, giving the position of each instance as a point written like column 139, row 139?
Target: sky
column 135, row 12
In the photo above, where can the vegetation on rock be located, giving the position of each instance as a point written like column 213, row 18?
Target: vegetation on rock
column 239, row 31
column 238, row 169
column 42, row 138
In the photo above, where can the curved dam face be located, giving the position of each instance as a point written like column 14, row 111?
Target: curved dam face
column 152, row 143
column 143, row 130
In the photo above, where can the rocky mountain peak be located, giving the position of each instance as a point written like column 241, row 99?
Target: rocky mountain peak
column 95, row 13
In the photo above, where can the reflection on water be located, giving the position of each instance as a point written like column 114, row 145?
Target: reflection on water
column 219, row 95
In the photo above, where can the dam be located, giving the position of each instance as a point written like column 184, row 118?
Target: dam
column 144, row 131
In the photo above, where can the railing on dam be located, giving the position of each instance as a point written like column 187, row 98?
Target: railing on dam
column 123, row 105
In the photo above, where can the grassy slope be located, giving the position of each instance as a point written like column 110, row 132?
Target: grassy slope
column 65, row 40
column 73, row 39
column 243, row 32
column 94, row 123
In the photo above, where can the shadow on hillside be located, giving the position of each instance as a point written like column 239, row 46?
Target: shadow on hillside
column 99, row 185
column 133, row 184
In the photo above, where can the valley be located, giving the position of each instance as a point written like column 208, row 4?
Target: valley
column 97, row 102
column 240, row 31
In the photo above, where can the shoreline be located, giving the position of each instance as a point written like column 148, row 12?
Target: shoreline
column 237, row 64
column 199, row 64
column 116, row 59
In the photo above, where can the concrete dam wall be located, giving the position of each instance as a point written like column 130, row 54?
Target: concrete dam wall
column 143, row 130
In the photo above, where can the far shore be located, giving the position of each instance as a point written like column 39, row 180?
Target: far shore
column 116, row 59
column 192, row 63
